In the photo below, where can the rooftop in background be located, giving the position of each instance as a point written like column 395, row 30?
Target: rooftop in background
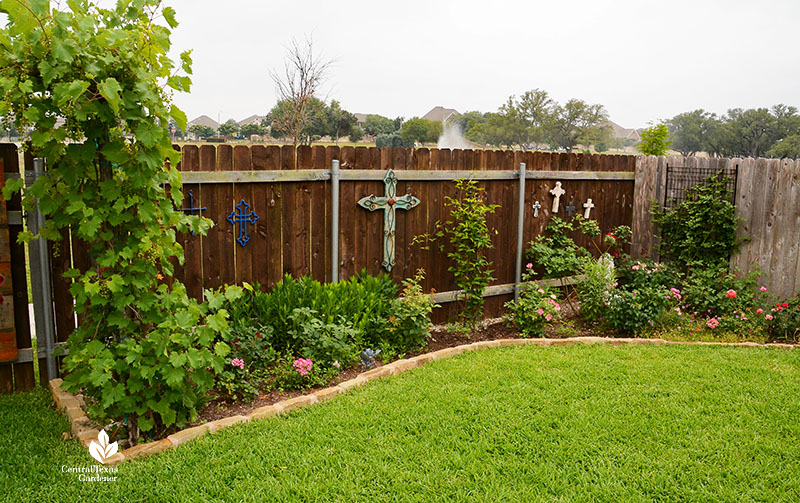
column 203, row 120
column 440, row 114
column 621, row 132
column 253, row 119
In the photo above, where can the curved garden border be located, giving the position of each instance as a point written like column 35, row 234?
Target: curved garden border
column 83, row 429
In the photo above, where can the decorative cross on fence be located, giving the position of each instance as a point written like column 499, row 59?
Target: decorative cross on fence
column 536, row 207
column 244, row 217
column 570, row 208
column 389, row 203
column 588, row 205
column 191, row 210
column 558, row 192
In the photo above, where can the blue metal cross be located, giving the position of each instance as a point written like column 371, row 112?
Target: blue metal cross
column 243, row 217
column 191, row 210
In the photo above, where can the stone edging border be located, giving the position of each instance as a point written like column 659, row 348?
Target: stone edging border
column 83, row 430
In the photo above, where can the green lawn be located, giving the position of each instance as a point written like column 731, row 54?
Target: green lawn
column 580, row 423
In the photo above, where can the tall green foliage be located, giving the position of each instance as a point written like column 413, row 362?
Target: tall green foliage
column 468, row 235
column 701, row 229
column 655, row 140
column 143, row 350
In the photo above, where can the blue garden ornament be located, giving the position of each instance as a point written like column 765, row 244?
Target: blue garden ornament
column 243, row 217
column 368, row 357
column 389, row 203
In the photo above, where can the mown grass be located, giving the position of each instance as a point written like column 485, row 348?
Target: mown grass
column 582, row 423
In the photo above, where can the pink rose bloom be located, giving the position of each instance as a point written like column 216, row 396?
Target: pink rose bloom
column 759, row 310
column 337, row 364
column 548, row 317
column 731, row 294
column 530, row 265
column 763, row 289
column 540, row 290
column 712, row 323
column 238, row 362
column 768, row 317
column 540, row 311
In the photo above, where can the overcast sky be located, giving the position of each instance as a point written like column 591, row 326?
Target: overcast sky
column 642, row 60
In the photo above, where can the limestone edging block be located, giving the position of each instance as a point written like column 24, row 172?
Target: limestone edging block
column 84, row 431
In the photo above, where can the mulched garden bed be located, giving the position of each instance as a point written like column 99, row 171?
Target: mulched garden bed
column 442, row 337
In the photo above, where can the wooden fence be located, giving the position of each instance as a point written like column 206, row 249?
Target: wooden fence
column 290, row 191
column 767, row 202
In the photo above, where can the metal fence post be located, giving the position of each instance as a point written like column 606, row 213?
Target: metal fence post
column 335, row 174
column 520, row 228
column 41, row 286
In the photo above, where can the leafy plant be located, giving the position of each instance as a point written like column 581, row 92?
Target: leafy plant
column 555, row 251
column 468, row 235
column 785, row 324
column 632, row 311
column 655, row 140
column 323, row 341
column 92, row 88
column 535, row 308
column 705, row 290
column 408, row 325
column 701, row 229
column 594, row 290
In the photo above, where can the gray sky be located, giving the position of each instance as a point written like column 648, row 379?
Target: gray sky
column 643, row 60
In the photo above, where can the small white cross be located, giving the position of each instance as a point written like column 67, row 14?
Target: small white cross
column 588, row 205
column 536, row 207
column 558, row 192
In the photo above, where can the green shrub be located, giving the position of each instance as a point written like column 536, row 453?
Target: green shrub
column 324, row 342
column 700, row 230
column 785, row 324
column 555, row 251
column 362, row 302
column 705, row 290
column 408, row 327
column 594, row 290
column 648, row 274
column 632, row 311
column 535, row 308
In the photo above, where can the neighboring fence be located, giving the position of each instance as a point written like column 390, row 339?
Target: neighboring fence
column 767, row 201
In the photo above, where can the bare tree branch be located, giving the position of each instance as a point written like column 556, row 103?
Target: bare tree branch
column 303, row 74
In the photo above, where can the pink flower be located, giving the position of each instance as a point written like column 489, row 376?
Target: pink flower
column 303, row 366
column 548, row 317
column 712, row 323
column 540, row 291
column 763, row 289
column 731, row 294
column 530, row 265
column 540, row 311
column 337, row 364
column 759, row 310
column 768, row 317
column 238, row 362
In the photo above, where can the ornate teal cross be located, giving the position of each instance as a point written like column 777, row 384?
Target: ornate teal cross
column 389, row 203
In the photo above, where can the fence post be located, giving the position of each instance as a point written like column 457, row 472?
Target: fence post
column 520, row 228
column 335, row 173
column 40, row 279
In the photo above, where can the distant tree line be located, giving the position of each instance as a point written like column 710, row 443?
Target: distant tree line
column 755, row 132
column 534, row 119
